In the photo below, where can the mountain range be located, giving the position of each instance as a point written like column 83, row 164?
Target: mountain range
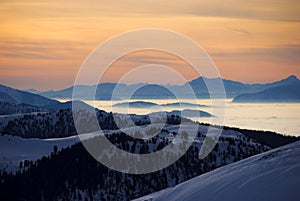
column 14, row 101
column 18, row 96
column 286, row 90
column 284, row 93
column 283, row 90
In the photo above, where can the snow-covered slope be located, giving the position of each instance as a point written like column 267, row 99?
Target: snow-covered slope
column 270, row 176
column 14, row 149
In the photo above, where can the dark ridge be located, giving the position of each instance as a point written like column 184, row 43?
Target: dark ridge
column 269, row 138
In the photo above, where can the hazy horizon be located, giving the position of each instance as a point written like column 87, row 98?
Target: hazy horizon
column 44, row 43
column 57, row 89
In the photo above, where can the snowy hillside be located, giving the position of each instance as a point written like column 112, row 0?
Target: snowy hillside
column 14, row 149
column 73, row 174
column 270, row 176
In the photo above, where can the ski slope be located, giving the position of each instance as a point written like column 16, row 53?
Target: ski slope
column 270, row 176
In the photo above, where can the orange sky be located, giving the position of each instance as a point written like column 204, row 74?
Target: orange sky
column 43, row 43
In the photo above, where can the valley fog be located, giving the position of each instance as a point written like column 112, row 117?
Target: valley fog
column 278, row 117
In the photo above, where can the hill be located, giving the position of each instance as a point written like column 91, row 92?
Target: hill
column 19, row 96
column 185, row 113
column 136, row 104
column 14, row 101
column 183, row 104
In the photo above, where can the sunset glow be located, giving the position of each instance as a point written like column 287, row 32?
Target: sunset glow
column 43, row 43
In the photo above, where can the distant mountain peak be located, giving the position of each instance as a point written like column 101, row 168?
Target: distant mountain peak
column 33, row 91
column 292, row 77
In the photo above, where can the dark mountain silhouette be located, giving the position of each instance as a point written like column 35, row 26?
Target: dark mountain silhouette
column 104, row 91
column 145, row 104
column 135, row 104
column 68, row 105
column 231, row 87
column 33, row 91
column 185, row 113
column 286, row 93
column 182, row 104
column 24, row 97
column 67, row 93
column 291, row 80
column 25, row 102
column 4, row 97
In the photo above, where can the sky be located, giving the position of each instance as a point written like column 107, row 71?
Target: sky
column 44, row 43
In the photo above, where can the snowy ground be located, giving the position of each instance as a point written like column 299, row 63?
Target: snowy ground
column 14, row 149
column 270, row 176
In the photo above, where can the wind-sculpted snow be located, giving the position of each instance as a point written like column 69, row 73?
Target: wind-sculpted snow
column 270, row 176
